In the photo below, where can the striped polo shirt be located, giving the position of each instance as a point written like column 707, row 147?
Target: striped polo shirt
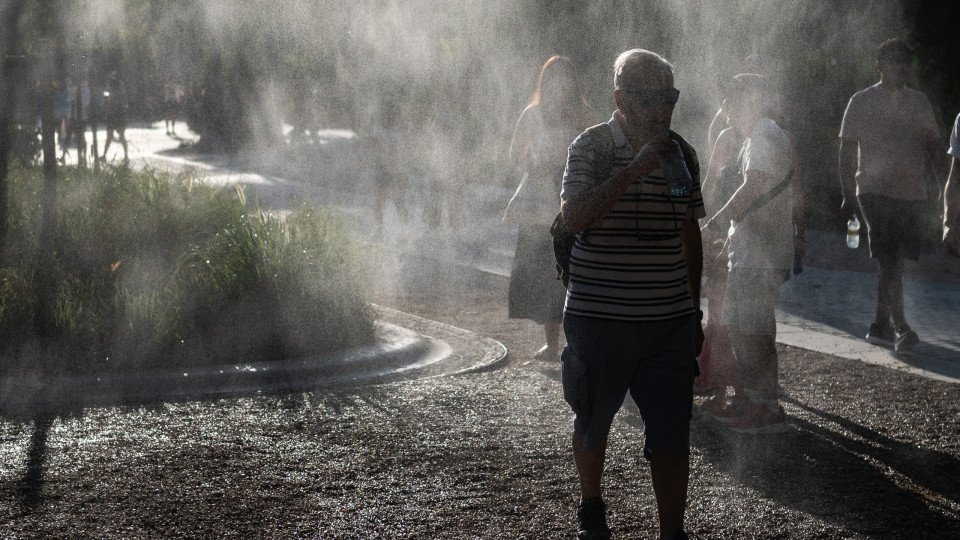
column 629, row 266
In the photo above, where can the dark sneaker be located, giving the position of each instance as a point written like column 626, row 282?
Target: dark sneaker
column 761, row 421
column 906, row 339
column 592, row 520
column 881, row 334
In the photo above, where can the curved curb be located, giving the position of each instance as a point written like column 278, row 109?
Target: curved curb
column 469, row 352
column 407, row 347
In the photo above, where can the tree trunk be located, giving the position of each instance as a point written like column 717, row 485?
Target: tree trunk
column 48, row 228
column 9, row 16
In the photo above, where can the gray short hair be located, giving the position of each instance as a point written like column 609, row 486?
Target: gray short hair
column 637, row 64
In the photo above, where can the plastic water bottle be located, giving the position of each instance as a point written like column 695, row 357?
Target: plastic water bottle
column 853, row 233
column 679, row 182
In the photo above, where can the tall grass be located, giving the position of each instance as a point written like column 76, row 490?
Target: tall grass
column 159, row 270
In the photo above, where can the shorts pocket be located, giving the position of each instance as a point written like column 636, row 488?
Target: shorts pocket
column 575, row 381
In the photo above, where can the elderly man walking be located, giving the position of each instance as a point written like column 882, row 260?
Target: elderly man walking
column 632, row 317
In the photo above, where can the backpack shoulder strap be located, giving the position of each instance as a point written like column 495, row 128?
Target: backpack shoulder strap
column 689, row 156
column 603, row 138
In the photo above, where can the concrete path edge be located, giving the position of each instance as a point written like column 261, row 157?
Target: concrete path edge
column 406, row 347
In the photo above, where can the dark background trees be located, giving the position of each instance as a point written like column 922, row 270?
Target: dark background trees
column 249, row 65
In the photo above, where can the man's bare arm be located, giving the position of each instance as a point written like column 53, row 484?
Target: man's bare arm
column 693, row 256
column 951, row 209
column 587, row 208
column 751, row 190
column 848, row 173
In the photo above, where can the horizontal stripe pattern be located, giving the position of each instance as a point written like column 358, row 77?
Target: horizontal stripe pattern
column 630, row 265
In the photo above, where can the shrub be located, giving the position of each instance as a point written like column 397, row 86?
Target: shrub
column 157, row 270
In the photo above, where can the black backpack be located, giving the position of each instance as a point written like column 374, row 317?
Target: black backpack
column 563, row 239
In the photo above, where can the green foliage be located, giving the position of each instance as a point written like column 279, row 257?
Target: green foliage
column 155, row 270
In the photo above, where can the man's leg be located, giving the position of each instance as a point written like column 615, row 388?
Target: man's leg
column 551, row 332
column 745, row 354
column 589, row 467
column 756, row 352
column 670, row 472
column 106, row 145
column 82, row 146
column 762, row 349
column 123, row 142
column 591, row 512
column 760, row 369
column 890, row 291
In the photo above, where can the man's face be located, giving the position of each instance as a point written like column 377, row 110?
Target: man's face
column 647, row 102
column 895, row 70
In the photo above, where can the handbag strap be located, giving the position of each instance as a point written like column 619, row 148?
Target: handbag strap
column 760, row 201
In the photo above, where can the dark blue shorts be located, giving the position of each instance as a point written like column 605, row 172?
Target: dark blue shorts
column 894, row 227
column 655, row 361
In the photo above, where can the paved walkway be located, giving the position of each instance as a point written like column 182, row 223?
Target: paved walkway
column 821, row 309
column 830, row 311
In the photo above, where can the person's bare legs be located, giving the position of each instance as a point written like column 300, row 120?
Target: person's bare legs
column 551, row 331
column 890, row 291
column 589, row 467
column 106, row 145
column 670, row 472
column 123, row 143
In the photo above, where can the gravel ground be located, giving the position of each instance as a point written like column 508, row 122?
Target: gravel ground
column 873, row 453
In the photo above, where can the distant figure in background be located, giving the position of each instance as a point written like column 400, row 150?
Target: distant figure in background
column 71, row 96
column 445, row 179
column 555, row 117
column 115, row 113
column 887, row 135
column 951, row 195
column 387, row 138
column 171, row 106
column 758, row 223
column 84, row 117
column 61, row 113
column 79, row 100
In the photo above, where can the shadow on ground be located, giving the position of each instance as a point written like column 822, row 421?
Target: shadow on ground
column 810, row 469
